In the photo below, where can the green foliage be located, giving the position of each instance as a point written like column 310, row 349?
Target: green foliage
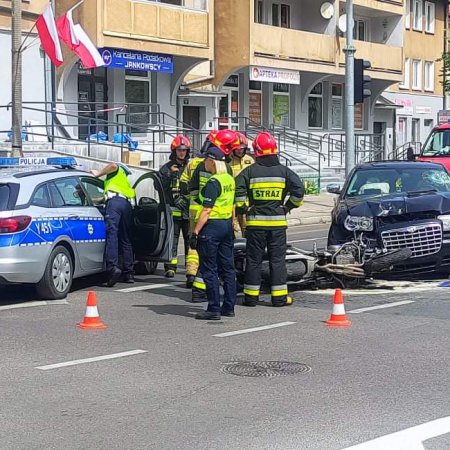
column 311, row 185
column 445, row 71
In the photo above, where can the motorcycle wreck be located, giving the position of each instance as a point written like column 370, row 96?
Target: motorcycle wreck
column 345, row 266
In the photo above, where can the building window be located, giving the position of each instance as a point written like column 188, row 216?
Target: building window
column 429, row 17
column 336, row 106
column 259, row 12
column 405, row 83
column 429, row 76
column 137, row 90
column 281, row 15
column 360, row 31
column 315, row 107
column 418, row 15
column 417, row 74
column 408, row 14
column 415, row 130
column 285, row 16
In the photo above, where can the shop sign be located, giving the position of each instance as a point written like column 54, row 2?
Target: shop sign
column 408, row 109
column 424, row 110
column 116, row 58
column 274, row 75
column 232, row 81
column 443, row 117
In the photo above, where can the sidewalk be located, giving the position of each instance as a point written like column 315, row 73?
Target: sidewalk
column 316, row 209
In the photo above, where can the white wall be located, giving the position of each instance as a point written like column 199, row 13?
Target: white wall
column 33, row 82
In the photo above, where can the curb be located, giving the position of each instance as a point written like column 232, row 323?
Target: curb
column 309, row 220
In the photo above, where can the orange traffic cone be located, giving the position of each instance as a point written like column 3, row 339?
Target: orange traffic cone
column 91, row 318
column 338, row 317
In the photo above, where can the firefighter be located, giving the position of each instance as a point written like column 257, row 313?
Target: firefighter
column 239, row 161
column 226, row 141
column 170, row 175
column 213, row 236
column 185, row 182
column 265, row 186
column 118, row 219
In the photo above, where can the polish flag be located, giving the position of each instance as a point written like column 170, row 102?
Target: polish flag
column 78, row 41
column 49, row 36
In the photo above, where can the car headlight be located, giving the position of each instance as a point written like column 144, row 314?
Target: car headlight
column 445, row 222
column 360, row 223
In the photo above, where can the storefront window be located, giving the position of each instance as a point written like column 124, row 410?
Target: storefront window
column 137, row 90
column 255, row 102
column 336, row 106
column 281, row 104
column 315, row 107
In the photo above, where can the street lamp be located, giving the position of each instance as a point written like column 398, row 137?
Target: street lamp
column 16, row 76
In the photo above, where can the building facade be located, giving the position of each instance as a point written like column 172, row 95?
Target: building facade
column 419, row 95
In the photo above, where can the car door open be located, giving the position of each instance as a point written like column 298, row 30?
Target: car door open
column 152, row 220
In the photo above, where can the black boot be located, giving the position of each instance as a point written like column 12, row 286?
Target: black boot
column 206, row 315
column 198, row 296
column 190, row 281
column 250, row 300
column 114, row 277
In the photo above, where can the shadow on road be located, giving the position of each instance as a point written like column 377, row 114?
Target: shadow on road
column 173, row 310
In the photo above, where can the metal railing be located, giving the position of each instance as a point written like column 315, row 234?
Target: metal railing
column 400, row 153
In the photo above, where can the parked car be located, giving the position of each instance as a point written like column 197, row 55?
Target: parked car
column 52, row 227
column 437, row 146
column 396, row 205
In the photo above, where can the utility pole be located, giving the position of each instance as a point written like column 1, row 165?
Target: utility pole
column 16, row 76
column 349, row 51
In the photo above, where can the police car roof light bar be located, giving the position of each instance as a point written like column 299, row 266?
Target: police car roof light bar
column 57, row 161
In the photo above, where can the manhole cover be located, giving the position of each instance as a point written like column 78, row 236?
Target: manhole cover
column 265, row 368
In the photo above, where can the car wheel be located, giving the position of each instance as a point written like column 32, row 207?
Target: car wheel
column 145, row 267
column 58, row 275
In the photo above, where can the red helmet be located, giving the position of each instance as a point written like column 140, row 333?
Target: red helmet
column 181, row 142
column 265, row 145
column 227, row 141
column 243, row 139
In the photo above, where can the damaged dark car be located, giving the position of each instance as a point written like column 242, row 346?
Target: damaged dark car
column 394, row 205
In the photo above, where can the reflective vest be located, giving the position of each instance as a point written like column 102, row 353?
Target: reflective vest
column 223, row 207
column 186, row 177
column 119, row 183
column 239, row 164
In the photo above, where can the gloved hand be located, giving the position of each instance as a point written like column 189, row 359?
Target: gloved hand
column 193, row 241
column 181, row 202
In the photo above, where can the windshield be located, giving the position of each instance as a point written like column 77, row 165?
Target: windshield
column 375, row 182
column 437, row 144
column 4, row 196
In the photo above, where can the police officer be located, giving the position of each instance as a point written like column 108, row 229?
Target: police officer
column 239, row 160
column 265, row 185
column 226, row 141
column 118, row 218
column 213, row 236
column 170, row 176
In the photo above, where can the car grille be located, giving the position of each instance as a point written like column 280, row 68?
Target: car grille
column 423, row 240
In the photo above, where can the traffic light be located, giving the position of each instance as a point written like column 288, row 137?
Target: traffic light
column 361, row 81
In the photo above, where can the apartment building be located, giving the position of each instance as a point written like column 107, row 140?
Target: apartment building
column 34, row 65
column 419, row 96
column 282, row 61
column 148, row 47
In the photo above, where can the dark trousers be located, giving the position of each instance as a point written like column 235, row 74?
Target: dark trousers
column 257, row 241
column 215, row 248
column 179, row 226
column 118, row 218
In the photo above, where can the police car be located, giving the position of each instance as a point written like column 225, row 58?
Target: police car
column 52, row 227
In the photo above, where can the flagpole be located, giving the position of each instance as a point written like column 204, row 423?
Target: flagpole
column 53, row 90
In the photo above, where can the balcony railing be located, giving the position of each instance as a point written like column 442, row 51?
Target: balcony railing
column 199, row 5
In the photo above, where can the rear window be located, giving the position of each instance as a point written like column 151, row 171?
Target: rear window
column 4, row 196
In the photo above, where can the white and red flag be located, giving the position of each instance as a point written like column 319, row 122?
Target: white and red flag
column 49, row 36
column 78, row 41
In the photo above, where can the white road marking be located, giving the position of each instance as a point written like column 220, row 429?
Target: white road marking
column 409, row 439
column 145, row 287
column 33, row 304
column 251, row 330
column 306, row 240
column 387, row 305
column 89, row 360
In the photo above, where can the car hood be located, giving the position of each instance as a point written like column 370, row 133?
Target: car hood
column 398, row 204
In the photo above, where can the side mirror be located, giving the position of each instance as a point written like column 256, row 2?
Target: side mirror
column 410, row 156
column 334, row 188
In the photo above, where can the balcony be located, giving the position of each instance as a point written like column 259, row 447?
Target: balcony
column 283, row 44
column 396, row 7
column 387, row 61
